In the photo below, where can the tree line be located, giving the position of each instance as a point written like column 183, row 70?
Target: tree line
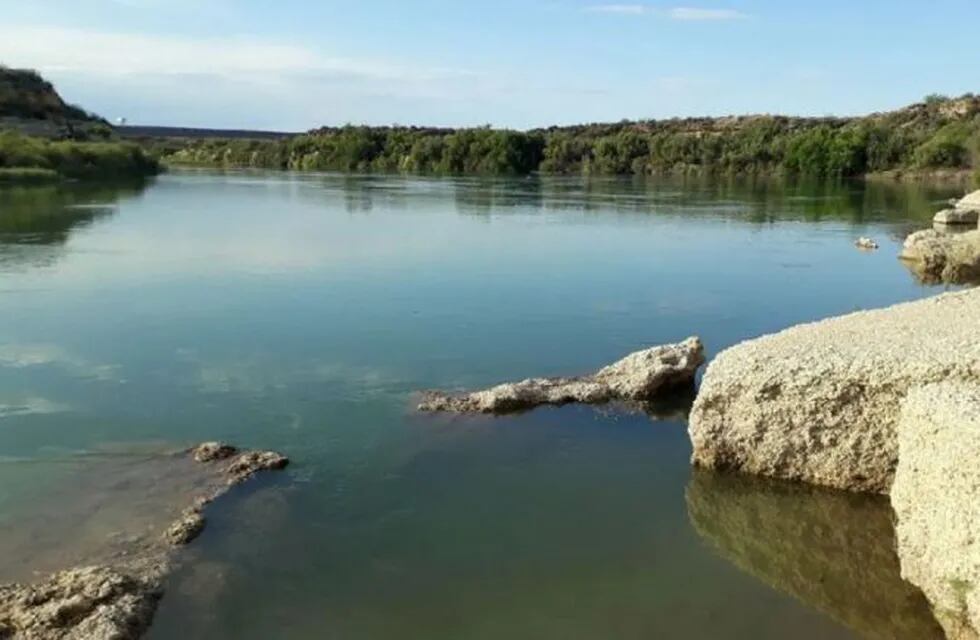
column 939, row 133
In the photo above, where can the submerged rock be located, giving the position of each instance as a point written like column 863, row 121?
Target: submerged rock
column 820, row 402
column 116, row 601
column 866, row 243
column 831, row 550
column 936, row 497
column 637, row 377
column 936, row 256
column 92, row 603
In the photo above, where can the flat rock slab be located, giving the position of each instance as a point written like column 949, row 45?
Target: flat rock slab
column 638, row 377
column 936, row 497
column 820, row 402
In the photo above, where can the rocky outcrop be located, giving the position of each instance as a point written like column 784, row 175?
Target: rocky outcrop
column 936, row 497
column 92, row 603
column 963, row 212
column 831, row 550
column 820, row 402
column 638, row 377
column 936, row 256
column 117, row 601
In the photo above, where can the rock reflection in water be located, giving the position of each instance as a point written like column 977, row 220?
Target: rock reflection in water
column 833, row 551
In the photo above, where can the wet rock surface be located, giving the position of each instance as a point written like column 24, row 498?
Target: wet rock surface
column 639, row 377
column 116, row 599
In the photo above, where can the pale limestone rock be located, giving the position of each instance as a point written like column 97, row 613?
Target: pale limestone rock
column 936, row 497
column 92, row 603
column 820, row 402
column 211, row 451
column 637, row 377
column 971, row 201
column 935, row 256
column 957, row 216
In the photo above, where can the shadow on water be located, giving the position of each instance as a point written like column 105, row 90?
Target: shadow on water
column 833, row 551
column 36, row 219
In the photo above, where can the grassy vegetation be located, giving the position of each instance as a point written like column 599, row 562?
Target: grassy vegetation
column 940, row 133
column 26, row 158
column 27, row 175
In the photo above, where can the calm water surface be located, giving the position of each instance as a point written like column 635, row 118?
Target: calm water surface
column 302, row 312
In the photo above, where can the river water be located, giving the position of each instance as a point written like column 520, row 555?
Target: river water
column 303, row 312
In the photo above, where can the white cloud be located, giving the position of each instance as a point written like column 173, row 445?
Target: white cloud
column 694, row 14
column 60, row 49
column 676, row 13
column 622, row 9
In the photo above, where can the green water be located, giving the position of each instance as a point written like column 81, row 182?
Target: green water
column 302, row 312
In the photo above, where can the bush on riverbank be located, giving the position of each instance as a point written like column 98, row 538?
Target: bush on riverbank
column 26, row 158
column 940, row 133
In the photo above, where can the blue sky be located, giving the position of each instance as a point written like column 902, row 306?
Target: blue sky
column 293, row 65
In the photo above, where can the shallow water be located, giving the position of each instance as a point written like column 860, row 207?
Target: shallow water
column 302, row 312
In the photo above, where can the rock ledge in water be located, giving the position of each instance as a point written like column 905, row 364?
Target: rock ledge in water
column 637, row 377
column 118, row 602
column 820, row 402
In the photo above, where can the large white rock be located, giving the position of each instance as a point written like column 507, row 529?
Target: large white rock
column 972, row 201
column 936, row 497
column 637, row 377
column 935, row 256
column 820, row 402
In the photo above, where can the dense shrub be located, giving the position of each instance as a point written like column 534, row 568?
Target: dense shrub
column 938, row 133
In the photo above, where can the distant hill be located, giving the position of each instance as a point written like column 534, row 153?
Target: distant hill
column 31, row 105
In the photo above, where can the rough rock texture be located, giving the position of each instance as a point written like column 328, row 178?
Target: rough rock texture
column 211, row 451
column 832, row 550
column 637, row 377
column 957, row 216
column 936, row 497
column 820, row 402
column 118, row 602
column 92, row 603
column 936, row 257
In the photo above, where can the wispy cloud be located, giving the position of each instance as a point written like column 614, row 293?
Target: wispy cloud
column 622, row 9
column 689, row 14
column 692, row 13
column 101, row 52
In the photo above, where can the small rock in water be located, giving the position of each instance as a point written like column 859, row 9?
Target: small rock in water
column 211, row 451
column 251, row 462
column 866, row 243
column 637, row 377
column 187, row 528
